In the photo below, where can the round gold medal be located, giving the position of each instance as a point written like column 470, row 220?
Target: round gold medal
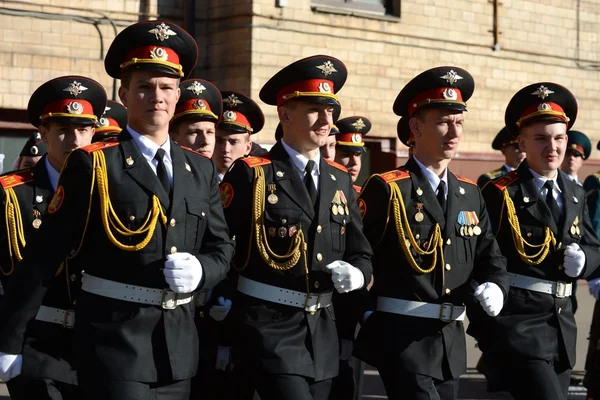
column 334, row 210
column 477, row 230
column 340, row 209
column 272, row 199
column 36, row 223
column 419, row 217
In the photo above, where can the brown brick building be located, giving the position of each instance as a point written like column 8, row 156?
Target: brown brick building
column 504, row 44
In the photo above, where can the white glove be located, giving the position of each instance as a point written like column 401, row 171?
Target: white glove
column 222, row 358
column 574, row 260
column 218, row 313
column 346, row 351
column 345, row 277
column 490, row 297
column 10, row 366
column 183, row 272
column 594, row 288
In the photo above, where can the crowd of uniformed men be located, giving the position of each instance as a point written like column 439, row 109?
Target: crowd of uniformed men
column 150, row 250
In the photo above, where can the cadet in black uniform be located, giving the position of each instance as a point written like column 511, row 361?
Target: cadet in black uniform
column 65, row 109
column 435, row 252
column 350, row 146
column 542, row 226
column 579, row 149
column 196, row 116
column 113, row 121
column 298, row 237
column 513, row 155
column 146, row 221
column 31, row 153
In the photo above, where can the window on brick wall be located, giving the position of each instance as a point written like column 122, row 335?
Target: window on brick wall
column 382, row 7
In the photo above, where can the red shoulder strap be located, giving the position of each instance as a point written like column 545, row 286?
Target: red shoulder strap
column 394, row 175
column 16, row 178
column 254, row 161
column 99, row 146
column 505, row 180
column 337, row 165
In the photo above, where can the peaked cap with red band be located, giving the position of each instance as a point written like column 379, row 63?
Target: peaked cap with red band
column 200, row 100
column 503, row 138
column 543, row 101
column 241, row 114
column 579, row 143
column 112, row 122
column 69, row 99
column 152, row 46
column 404, row 133
column 440, row 87
column 352, row 130
column 337, row 110
column 315, row 79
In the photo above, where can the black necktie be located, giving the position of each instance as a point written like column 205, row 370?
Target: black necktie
column 161, row 171
column 551, row 201
column 309, row 183
column 441, row 195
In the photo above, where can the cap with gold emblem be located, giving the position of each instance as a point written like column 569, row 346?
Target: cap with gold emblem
column 112, row 122
column 34, row 146
column 200, row 100
column 503, row 139
column 352, row 130
column 544, row 101
column 69, row 99
column 440, row 87
column 315, row 79
column 337, row 110
column 153, row 46
column 241, row 114
column 579, row 143
column 404, row 133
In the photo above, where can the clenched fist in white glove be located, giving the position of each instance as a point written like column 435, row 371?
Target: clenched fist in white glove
column 594, row 288
column 220, row 311
column 223, row 355
column 490, row 297
column 574, row 260
column 345, row 277
column 183, row 272
column 10, row 366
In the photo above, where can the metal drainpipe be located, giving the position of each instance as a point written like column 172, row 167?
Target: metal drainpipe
column 496, row 29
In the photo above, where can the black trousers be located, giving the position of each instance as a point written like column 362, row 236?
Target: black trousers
column 129, row 390
column 348, row 384
column 539, row 380
column 21, row 388
column 400, row 385
column 292, row 387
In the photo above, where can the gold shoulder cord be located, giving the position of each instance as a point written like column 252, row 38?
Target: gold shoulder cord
column 518, row 240
column 15, row 234
column 435, row 244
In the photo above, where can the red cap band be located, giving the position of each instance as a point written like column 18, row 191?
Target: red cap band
column 546, row 108
column 310, row 87
column 236, row 118
column 76, row 108
column 437, row 95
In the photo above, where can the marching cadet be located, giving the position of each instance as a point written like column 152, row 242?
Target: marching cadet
column 197, row 114
column 113, row 121
column 32, row 152
column 350, row 146
column 506, row 143
column 579, row 149
column 242, row 118
column 543, row 229
column 146, row 222
column 65, row 109
column 434, row 249
column 298, row 238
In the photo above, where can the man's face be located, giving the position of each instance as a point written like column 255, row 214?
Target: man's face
column 513, row 155
column 28, row 161
column 230, row 147
column 307, row 124
column 437, row 133
column 328, row 149
column 350, row 160
column 198, row 136
column 150, row 100
column 61, row 139
column 545, row 145
column 572, row 162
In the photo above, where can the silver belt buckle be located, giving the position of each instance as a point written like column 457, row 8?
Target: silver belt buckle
column 169, row 300
column 66, row 322
column 443, row 308
column 312, row 309
column 561, row 289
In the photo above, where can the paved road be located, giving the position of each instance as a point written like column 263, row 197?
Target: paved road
column 472, row 385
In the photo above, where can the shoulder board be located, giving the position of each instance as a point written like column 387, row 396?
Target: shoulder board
column 99, row 146
column 337, row 165
column 193, row 151
column 16, row 178
column 505, row 180
column 394, row 175
column 254, row 161
column 466, row 180
column 357, row 188
column 495, row 173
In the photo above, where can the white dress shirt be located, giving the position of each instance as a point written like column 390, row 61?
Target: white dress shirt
column 432, row 177
column 300, row 162
column 148, row 149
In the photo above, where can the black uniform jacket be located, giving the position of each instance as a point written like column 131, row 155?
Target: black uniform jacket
column 47, row 347
column 278, row 338
column 535, row 325
column 117, row 339
column 424, row 345
column 488, row 176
